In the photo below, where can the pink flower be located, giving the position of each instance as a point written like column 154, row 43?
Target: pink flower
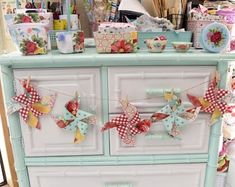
column 232, row 45
column 209, row 34
column 78, row 47
column 182, row 46
column 30, row 30
column 216, row 37
column 162, row 37
column 26, row 19
column 30, row 47
column 121, row 46
column 81, row 36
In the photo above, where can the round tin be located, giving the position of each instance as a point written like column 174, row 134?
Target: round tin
column 215, row 37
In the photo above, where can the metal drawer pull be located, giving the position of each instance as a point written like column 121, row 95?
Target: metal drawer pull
column 121, row 184
column 159, row 135
column 156, row 92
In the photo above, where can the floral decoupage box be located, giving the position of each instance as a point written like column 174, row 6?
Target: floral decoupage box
column 116, row 38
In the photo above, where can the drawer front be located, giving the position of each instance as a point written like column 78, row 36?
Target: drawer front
column 194, row 138
column 50, row 139
column 144, row 86
column 177, row 175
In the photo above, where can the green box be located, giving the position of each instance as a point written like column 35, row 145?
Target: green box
column 172, row 36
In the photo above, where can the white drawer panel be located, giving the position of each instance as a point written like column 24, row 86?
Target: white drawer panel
column 194, row 139
column 50, row 139
column 135, row 82
column 177, row 175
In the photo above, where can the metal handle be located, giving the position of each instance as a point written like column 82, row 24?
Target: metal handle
column 160, row 135
column 156, row 92
column 118, row 184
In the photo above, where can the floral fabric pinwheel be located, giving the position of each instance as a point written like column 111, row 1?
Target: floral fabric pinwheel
column 30, row 105
column 212, row 102
column 128, row 124
column 75, row 120
column 174, row 115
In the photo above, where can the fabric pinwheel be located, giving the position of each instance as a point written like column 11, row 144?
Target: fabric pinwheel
column 174, row 115
column 212, row 102
column 30, row 105
column 129, row 123
column 75, row 120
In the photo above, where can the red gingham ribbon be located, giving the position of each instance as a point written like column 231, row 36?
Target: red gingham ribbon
column 126, row 129
column 215, row 96
column 27, row 99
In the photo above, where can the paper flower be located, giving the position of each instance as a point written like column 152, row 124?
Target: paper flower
column 174, row 115
column 30, row 105
column 121, row 46
column 212, row 102
column 75, row 120
column 128, row 124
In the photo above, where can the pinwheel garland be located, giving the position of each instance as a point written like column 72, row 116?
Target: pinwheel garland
column 212, row 102
column 30, row 105
column 128, row 124
column 75, row 120
column 174, row 115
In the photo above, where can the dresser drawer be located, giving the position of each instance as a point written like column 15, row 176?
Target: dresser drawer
column 177, row 175
column 50, row 139
column 144, row 86
column 194, row 138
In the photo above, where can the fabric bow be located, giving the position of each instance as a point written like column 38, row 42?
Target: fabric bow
column 128, row 124
column 174, row 115
column 75, row 120
column 212, row 102
column 30, row 105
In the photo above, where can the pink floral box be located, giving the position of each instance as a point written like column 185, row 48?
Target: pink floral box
column 116, row 42
column 196, row 27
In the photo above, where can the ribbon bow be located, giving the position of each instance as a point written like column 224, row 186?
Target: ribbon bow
column 128, row 124
column 30, row 105
column 75, row 120
column 212, row 102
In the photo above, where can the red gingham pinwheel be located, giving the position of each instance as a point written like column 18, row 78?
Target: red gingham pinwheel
column 128, row 124
column 32, row 105
column 214, row 96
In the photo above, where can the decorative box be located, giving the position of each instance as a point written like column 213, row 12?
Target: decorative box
column 172, row 36
column 196, row 27
column 70, row 41
column 24, row 23
column 215, row 37
column 31, row 39
column 125, row 42
column 229, row 18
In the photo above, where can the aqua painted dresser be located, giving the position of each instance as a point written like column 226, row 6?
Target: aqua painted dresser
column 48, row 157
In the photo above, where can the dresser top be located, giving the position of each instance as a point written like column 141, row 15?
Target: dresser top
column 90, row 59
